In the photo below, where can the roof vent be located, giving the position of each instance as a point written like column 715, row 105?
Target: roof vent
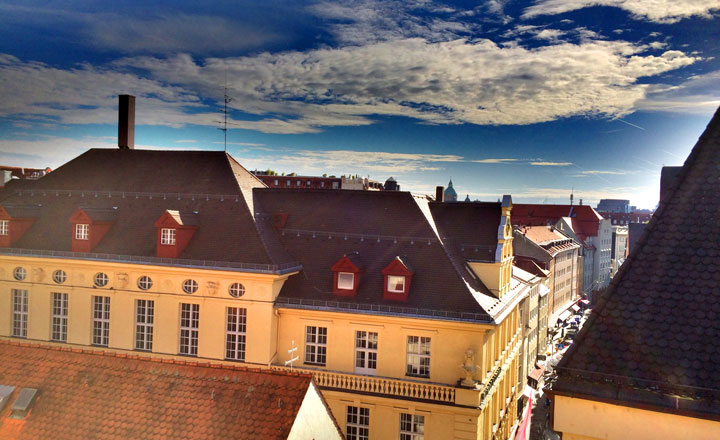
column 23, row 402
column 5, row 393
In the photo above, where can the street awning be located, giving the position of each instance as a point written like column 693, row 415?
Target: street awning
column 576, row 307
column 537, row 373
column 564, row 315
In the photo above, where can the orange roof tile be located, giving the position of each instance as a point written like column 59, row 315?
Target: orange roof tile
column 93, row 395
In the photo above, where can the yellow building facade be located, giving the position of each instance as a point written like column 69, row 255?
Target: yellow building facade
column 422, row 343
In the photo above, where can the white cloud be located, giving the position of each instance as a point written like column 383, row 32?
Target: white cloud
column 596, row 172
column 495, row 160
column 186, row 141
column 657, row 45
column 663, row 11
column 448, row 82
column 551, row 164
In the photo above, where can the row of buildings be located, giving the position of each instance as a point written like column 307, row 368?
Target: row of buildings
column 407, row 313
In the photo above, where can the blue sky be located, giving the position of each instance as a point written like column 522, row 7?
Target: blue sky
column 529, row 98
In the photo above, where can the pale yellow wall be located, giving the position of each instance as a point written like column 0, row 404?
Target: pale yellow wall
column 580, row 419
column 449, row 341
column 212, row 296
column 441, row 422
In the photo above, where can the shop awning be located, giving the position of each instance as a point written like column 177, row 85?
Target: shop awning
column 537, row 373
column 564, row 315
column 576, row 307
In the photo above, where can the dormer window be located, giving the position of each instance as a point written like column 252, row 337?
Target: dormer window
column 87, row 220
column 167, row 236
column 397, row 280
column 82, row 231
column 346, row 275
column 15, row 221
column 174, row 231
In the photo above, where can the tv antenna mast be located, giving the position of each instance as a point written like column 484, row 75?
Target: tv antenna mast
column 224, row 128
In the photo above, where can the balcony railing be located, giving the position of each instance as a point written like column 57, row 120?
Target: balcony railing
column 380, row 385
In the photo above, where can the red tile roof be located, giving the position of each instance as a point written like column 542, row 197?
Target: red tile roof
column 585, row 220
column 88, row 394
column 653, row 339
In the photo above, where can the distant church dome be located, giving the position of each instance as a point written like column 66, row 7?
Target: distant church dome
column 467, row 198
column 450, row 194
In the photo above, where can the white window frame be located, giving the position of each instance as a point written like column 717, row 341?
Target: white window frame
column 412, row 427
column 4, row 227
column 59, row 319
column 235, row 333
column 357, row 426
column 82, row 231
column 101, row 321
column 144, row 323
column 418, row 358
column 315, row 345
column 391, row 285
column 366, row 352
column 190, row 286
column 101, row 279
column 59, row 276
column 19, row 313
column 236, row 290
column 189, row 325
column 343, row 283
column 168, row 236
column 19, row 273
column 144, row 282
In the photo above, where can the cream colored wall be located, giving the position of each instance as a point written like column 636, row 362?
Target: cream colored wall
column 441, row 422
column 580, row 419
column 448, row 343
column 212, row 296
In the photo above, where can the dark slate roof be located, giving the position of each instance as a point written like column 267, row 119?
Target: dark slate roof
column 471, row 228
column 654, row 339
column 377, row 227
column 208, row 189
column 89, row 394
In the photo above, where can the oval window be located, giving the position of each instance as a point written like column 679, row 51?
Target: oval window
column 145, row 282
column 101, row 279
column 236, row 290
column 59, row 276
column 190, row 286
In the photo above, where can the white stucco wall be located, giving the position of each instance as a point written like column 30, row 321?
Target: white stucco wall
column 314, row 420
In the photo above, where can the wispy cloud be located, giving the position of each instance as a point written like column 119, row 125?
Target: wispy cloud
column 662, row 11
column 185, row 141
column 163, row 32
column 551, row 164
column 698, row 95
column 495, row 160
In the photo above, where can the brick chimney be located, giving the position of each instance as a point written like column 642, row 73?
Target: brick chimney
column 439, row 194
column 126, row 122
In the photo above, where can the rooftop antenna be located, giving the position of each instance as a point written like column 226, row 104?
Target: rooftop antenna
column 571, row 195
column 227, row 100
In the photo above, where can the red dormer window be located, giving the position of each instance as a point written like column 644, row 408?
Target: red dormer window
column 14, row 221
column 346, row 276
column 397, row 276
column 174, row 231
column 89, row 226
